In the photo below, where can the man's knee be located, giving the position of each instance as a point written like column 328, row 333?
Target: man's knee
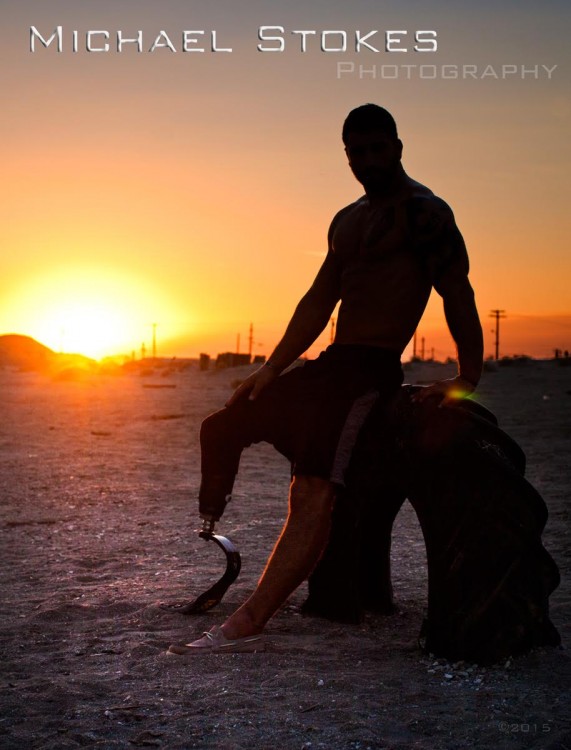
column 311, row 494
column 217, row 429
column 230, row 423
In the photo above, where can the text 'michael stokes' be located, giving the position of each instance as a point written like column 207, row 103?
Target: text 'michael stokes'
column 270, row 39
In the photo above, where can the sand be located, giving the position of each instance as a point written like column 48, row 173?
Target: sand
column 98, row 517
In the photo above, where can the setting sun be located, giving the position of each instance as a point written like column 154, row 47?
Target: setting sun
column 91, row 327
column 93, row 311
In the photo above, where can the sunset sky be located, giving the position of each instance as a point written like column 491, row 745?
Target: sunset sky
column 194, row 189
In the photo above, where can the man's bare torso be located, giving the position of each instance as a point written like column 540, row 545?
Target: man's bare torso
column 388, row 255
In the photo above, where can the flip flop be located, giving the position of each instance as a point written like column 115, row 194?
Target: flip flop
column 215, row 642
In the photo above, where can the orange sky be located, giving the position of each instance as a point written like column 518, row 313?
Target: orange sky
column 194, row 190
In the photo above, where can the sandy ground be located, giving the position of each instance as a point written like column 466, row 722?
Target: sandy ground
column 98, row 520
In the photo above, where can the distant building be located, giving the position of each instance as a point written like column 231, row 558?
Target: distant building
column 230, row 359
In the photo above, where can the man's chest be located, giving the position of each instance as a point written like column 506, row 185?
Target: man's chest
column 372, row 235
column 392, row 234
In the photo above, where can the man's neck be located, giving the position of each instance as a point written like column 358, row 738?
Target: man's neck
column 396, row 184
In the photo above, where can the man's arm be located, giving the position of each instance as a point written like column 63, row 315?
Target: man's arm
column 308, row 321
column 464, row 325
column 452, row 283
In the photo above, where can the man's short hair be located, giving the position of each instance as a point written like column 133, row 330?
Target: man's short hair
column 369, row 117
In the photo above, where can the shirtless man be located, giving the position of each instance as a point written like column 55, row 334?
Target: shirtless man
column 386, row 252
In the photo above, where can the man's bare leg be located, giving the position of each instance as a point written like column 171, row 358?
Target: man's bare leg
column 294, row 556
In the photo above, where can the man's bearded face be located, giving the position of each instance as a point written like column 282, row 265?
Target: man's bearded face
column 374, row 158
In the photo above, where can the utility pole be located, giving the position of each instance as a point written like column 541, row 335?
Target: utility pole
column 422, row 348
column 414, row 346
column 332, row 330
column 251, row 341
column 154, row 340
column 498, row 315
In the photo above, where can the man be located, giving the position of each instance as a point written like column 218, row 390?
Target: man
column 386, row 252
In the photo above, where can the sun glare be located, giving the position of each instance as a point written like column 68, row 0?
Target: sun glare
column 94, row 312
column 91, row 327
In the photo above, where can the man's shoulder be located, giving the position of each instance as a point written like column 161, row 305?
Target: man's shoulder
column 427, row 211
column 350, row 208
column 423, row 197
column 345, row 213
column 438, row 239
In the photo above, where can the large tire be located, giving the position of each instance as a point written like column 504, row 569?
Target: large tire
column 489, row 576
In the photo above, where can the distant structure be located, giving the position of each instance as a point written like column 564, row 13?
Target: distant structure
column 498, row 315
column 236, row 359
column 232, row 359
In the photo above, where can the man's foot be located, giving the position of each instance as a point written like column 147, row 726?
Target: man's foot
column 215, row 642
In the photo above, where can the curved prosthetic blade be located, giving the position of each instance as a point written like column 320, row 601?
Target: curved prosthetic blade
column 212, row 596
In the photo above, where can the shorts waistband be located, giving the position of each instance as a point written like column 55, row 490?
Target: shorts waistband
column 361, row 354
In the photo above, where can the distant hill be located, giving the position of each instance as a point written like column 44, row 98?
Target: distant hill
column 26, row 354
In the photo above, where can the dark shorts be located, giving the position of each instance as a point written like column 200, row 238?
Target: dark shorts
column 312, row 414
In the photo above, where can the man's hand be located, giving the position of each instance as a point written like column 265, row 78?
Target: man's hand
column 254, row 384
column 448, row 390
